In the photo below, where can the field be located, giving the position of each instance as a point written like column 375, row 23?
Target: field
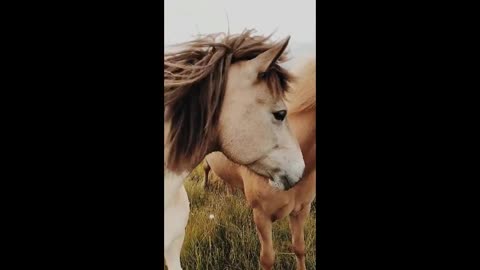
column 221, row 232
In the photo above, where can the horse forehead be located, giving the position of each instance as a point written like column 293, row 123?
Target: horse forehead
column 241, row 77
column 265, row 96
column 241, row 73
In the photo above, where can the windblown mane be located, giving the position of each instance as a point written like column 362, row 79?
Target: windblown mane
column 302, row 95
column 194, row 85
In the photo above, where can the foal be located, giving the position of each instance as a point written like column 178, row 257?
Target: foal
column 268, row 202
column 223, row 95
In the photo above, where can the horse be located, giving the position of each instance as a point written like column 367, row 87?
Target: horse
column 268, row 202
column 224, row 93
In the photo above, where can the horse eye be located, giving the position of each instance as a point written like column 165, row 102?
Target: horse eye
column 280, row 115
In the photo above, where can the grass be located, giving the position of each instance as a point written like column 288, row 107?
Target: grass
column 229, row 240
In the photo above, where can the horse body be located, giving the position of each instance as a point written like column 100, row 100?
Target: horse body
column 269, row 203
column 223, row 96
column 225, row 168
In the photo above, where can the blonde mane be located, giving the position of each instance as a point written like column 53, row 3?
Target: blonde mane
column 302, row 94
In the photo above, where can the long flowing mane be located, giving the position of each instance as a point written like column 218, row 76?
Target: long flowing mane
column 302, row 95
column 194, row 85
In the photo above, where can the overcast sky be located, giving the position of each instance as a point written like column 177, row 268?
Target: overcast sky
column 186, row 18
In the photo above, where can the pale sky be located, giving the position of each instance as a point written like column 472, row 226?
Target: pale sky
column 186, row 18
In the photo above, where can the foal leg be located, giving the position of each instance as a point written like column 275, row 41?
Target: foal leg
column 172, row 254
column 264, row 231
column 297, row 222
column 176, row 218
column 206, row 168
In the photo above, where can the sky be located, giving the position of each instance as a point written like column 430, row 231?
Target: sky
column 186, row 18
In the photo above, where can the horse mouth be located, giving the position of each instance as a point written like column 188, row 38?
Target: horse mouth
column 281, row 182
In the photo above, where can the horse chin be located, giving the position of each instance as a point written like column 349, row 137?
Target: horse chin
column 281, row 182
column 277, row 185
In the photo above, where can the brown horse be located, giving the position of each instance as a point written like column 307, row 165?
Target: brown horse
column 268, row 202
column 224, row 93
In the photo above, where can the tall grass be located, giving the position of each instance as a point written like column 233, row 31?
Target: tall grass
column 229, row 239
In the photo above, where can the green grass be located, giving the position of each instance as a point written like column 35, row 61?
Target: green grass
column 229, row 240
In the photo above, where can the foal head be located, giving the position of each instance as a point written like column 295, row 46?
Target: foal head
column 228, row 96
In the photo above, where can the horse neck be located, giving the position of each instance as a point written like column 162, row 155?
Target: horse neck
column 172, row 188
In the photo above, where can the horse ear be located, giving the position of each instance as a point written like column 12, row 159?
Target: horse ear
column 266, row 59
